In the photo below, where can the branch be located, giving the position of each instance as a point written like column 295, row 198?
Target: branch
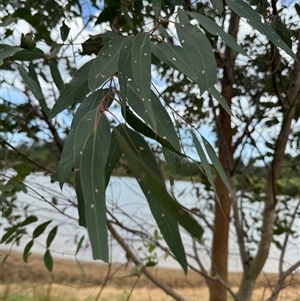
column 270, row 201
column 166, row 288
column 26, row 157
column 286, row 238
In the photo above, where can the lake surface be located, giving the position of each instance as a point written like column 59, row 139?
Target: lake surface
column 125, row 199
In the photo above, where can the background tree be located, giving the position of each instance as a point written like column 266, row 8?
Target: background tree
column 185, row 44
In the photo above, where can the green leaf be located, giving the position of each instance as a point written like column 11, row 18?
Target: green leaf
column 204, row 161
column 146, row 171
column 56, row 75
column 217, row 165
column 29, row 220
column 113, row 158
column 80, row 201
column 243, row 9
column 7, row 51
column 92, row 149
column 40, row 229
column 141, row 71
column 64, row 31
column 156, row 7
column 4, row 259
column 48, row 260
column 218, row 6
column 282, row 30
column 29, row 55
column 67, row 157
column 34, row 87
column 182, row 16
column 163, row 122
column 198, row 51
column 163, row 32
column 9, row 232
column 74, row 91
column 157, row 50
column 105, row 65
column 219, row 97
column 27, row 249
column 108, row 14
column 51, row 236
column 79, row 245
column 66, row 161
column 124, row 68
column 177, row 56
column 213, row 28
column 142, row 128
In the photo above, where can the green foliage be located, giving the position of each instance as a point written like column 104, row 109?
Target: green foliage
column 121, row 77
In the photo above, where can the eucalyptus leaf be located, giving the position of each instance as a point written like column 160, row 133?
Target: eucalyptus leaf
column 213, row 28
column 199, row 53
column 7, row 51
column 92, row 148
column 243, row 9
column 74, row 91
column 105, row 65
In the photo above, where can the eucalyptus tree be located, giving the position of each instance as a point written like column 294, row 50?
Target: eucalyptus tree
column 227, row 64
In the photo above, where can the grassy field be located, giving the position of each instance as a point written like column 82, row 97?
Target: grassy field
column 32, row 282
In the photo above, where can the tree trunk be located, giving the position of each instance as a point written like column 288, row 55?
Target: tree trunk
column 255, row 266
column 217, row 290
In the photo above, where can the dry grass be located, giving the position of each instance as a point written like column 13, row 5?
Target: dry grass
column 69, row 281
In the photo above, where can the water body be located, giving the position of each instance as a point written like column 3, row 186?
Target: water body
column 125, row 199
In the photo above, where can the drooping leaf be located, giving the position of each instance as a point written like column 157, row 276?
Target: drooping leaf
column 124, row 68
column 27, row 249
column 142, row 128
column 282, row 30
column 177, row 56
column 163, row 32
column 56, row 75
column 9, row 233
column 33, row 75
column 141, row 71
column 219, row 97
column 156, row 6
column 74, row 91
column 92, row 150
column 29, row 55
column 218, row 6
column 80, row 201
column 51, row 236
column 64, row 31
column 217, row 165
column 79, row 245
column 48, row 260
column 157, row 50
column 67, row 157
column 243, row 9
column 7, row 51
column 108, row 14
column 213, row 28
column 66, row 161
column 146, row 171
column 105, row 65
column 182, row 16
column 29, row 220
column 163, row 122
column 113, row 158
column 39, row 230
column 198, row 50
column 204, row 161
column 34, row 87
